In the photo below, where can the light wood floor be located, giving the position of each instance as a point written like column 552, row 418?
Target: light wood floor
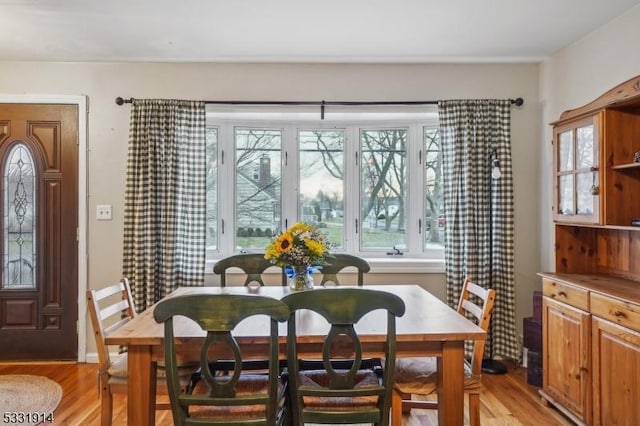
column 506, row 399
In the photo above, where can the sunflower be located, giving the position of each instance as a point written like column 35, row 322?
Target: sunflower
column 284, row 243
column 315, row 247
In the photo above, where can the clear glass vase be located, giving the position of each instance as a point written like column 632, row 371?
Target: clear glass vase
column 300, row 278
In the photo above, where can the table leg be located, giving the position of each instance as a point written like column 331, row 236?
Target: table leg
column 141, row 397
column 451, row 384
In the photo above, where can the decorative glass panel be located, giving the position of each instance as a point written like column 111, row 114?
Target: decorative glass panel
column 565, row 151
column 322, row 181
column 584, row 147
column 19, row 261
column 565, row 194
column 383, row 178
column 258, row 186
column 584, row 186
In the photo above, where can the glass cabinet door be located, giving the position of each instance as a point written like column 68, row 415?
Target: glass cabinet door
column 576, row 172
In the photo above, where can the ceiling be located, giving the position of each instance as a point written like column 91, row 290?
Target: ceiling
column 297, row 30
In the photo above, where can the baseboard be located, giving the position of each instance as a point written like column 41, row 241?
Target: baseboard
column 92, row 357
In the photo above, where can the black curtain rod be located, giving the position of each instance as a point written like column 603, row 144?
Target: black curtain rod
column 322, row 104
column 516, row 102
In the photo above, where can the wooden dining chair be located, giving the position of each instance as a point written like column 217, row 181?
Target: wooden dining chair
column 419, row 376
column 252, row 264
column 346, row 394
column 237, row 398
column 340, row 261
column 110, row 308
column 337, row 263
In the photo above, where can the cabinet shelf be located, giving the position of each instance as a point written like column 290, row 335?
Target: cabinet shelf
column 626, row 166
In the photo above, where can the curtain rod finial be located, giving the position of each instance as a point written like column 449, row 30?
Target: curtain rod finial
column 119, row 100
column 517, row 101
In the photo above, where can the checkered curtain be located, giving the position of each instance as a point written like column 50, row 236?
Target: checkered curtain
column 164, row 224
column 479, row 209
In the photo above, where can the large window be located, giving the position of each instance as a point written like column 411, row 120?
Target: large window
column 370, row 181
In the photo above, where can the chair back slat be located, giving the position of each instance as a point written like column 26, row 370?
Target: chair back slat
column 116, row 308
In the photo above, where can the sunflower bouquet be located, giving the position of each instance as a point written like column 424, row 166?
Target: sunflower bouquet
column 300, row 245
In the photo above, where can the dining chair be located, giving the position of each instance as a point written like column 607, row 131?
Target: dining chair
column 340, row 261
column 110, row 308
column 252, row 264
column 345, row 394
column 419, row 376
column 237, row 398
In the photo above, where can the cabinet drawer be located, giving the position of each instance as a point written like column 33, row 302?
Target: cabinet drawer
column 574, row 296
column 616, row 310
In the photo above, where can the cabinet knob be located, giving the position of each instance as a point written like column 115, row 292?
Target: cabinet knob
column 562, row 293
column 617, row 313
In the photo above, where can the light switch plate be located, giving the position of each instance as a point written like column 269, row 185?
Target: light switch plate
column 103, row 212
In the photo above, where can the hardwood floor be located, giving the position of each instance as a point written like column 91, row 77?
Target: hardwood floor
column 506, row 399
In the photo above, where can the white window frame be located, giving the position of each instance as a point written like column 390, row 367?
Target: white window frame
column 415, row 259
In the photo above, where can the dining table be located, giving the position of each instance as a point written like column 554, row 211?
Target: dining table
column 429, row 327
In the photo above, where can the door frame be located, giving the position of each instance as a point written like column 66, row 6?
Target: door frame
column 83, row 109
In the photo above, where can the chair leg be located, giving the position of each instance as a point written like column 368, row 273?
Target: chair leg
column 474, row 409
column 106, row 406
column 396, row 408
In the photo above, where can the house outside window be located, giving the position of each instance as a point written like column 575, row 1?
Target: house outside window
column 370, row 181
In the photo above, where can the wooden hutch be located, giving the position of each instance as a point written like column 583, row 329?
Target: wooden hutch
column 591, row 304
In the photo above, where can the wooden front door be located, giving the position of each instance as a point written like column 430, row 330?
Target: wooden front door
column 39, row 214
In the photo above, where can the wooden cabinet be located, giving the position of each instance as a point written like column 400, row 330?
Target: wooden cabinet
column 591, row 320
column 591, row 347
column 566, row 344
column 616, row 357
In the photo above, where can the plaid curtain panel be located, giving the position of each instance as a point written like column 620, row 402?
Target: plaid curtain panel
column 479, row 210
column 164, row 224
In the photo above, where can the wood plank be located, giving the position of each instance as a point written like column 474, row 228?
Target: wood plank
column 506, row 399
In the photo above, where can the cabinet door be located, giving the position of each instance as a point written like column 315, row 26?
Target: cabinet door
column 576, row 161
column 616, row 381
column 566, row 359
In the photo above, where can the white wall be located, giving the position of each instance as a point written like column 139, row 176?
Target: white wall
column 108, row 128
column 573, row 77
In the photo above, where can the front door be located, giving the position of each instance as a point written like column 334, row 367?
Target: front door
column 39, row 214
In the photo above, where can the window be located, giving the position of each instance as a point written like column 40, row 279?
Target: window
column 370, row 180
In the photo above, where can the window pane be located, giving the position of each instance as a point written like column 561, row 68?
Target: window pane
column 383, row 188
column 258, row 186
column 434, row 197
column 322, row 181
column 565, row 194
column 565, row 151
column 584, row 185
column 212, row 188
column 584, row 147
column 19, row 220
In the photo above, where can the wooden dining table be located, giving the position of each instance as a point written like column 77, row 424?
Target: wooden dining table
column 429, row 327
